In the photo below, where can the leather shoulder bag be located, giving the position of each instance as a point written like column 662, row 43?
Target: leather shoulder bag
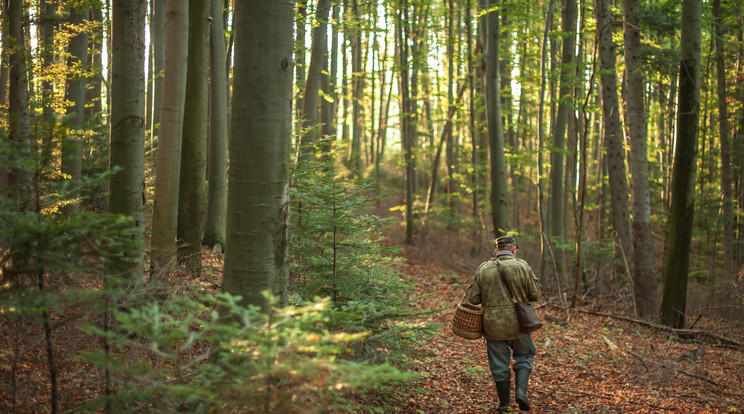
column 526, row 315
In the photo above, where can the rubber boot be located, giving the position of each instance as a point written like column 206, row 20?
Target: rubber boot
column 503, row 388
column 520, row 379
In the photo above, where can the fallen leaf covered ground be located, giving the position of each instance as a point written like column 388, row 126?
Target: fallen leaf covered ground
column 586, row 362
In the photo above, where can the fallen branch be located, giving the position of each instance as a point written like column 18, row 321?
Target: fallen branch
column 677, row 370
column 616, row 349
column 722, row 340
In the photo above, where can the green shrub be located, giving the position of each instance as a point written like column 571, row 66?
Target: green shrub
column 338, row 252
column 193, row 359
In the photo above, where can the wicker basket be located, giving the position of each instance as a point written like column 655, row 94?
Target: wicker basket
column 468, row 321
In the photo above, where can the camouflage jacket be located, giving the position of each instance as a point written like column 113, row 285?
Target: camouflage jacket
column 487, row 289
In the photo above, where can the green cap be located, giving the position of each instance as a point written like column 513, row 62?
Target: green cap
column 504, row 242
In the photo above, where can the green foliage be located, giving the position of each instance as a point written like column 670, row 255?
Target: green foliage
column 184, row 355
column 44, row 242
column 338, row 253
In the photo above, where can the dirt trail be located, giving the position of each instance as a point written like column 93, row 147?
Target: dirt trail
column 590, row 364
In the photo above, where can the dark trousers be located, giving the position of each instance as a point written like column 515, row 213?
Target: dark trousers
column 501, row 352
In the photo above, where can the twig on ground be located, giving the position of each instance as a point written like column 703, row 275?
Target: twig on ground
column 677, row 370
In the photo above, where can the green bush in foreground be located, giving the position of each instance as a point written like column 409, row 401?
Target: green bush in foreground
column 338, row 251
column 184, row 356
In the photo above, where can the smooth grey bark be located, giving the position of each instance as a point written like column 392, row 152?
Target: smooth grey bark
column 475, row 177
column 72, row 150
column 216, row 225
column 127, row 130
column 300, row 56
column 191, row 188
column 408, row 115
column 357, row 89
column 545, row 242
column 257, row 251
column 328, row 84
column 557, row 160
column 499, row 198
column 682, row 210
column 645, row 287
column 723, row 127
column 157, row 43
column 451, row 158
column 379, row 135
column 168, row 164
column 47, row 28
column 311, row 132
column 20, row 185
column 94, row 90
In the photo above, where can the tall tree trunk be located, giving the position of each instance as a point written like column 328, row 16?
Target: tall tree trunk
column 47, row 29
column 72, row 150
column 357, row 88
column 499, row 200
column 257, row 253
column 726, row 170
column 4, row 54
column 94, row 91
column 194, row 149
column 311, row 131
column 474, row 135
column 4, row 72
column 557, row 161
column 300, row 64
column 451, row 158
column 127, row 134
column 545, row 244
column 613, row 131
column 329, row 79
column 677, row 259
column 157, row 43
column 382, row 119
column 407, row 122
column 214, row 231
column 20, row 175
column 645, row 288
column 669, row 144
column 168, row 165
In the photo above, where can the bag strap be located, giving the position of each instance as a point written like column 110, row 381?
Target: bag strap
column 501, row 272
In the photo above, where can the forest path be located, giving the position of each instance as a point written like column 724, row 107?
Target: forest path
column 589, row 364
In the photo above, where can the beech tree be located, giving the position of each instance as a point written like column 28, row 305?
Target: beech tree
column 645, row 288
column 20, row 184
column 127, row 128
column 407, row 110
column 311, row 132
column 157, row 45
column 613, row 130
column 191, row 188
column 682, row 210
column 723, row 127
column 72, row 146
column 170, row 133
column 499, row 199
column 214, row 232
column 257, row 251
column 557, row 160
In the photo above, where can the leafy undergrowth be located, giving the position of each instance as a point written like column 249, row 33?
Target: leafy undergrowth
column 585, row 363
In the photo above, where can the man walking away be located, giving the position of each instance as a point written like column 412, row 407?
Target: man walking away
column 504, row 340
